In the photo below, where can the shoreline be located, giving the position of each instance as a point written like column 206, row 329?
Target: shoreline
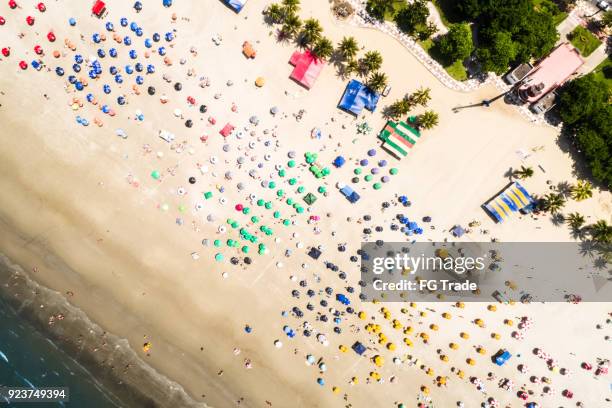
column 103, row 355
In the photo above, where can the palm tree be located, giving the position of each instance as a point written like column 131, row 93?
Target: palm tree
column 291, row 6
column 428, row 120
column 323, row 49
column 275, row 13
column 601, row 232
column 352, row 67
column 348, row 48
column 421, row 96
column 377, row 81
column 552, row 202
column 398, row 108
column 523, row 172
column 582, row 190
column 371, row 61
column 575, row 221
column 291, row 26
column 311, row 32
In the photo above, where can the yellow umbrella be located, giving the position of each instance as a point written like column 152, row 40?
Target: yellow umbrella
column 479, row 322
column 412, row 304
column 404, row 310
column 446, row 315
column 343, row 348
column 441, row 380
column 491, row 308
column 464, row 335
column 433, row 327
column 408, row 329
column 408, row 342
column 424, row 390
column 336, row 390
column 453, row 346
column 424, row 336
column 508, row 322
column 481, row 350
column 496, row 336
column 391, row 346
column 423, row 313
column 460, row 374
column 430, row 372
column 354, row 380
column 146, row 347
column 444, row 358
column 362, row 315
column 260, row 81
column 470, row 361
column 378, row 361
column 460, row 305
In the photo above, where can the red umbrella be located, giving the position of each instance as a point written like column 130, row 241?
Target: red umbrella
column 51, row 36
column 38, row 49
column 41, row 7
column 12, row 4
column 6, row 51
column 2, row 20
column 23, row 65
column 30, row 20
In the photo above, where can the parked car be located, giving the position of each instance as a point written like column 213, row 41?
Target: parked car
column 603, row 5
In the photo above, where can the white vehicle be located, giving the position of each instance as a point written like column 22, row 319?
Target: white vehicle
column 603, row 5
column 167, row 136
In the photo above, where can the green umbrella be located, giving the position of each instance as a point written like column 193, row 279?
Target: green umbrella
column 277, row 214
column 281, row 173
column 291, row 163
column 290, row 201
column 286, row 222
column 300, row 189
column 299, row 210
column 155, row 174
column 272, row 184
column 368, row 177
column 208, row 195
column 246, row 210
column 182, row 208
column 357, row 171
column 245, row 249
column 235, row 224
column 268, row 205
column 322, row 190
column 280, row 192
column 260, row 202
column 393, row 171
column 230, row 242
column 217, row 243
column 219, row 257
column 292, row 181
column 254, row 219
column 377, row 186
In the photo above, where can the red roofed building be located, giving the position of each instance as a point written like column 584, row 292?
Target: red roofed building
column 550, row 73
column 307, row 68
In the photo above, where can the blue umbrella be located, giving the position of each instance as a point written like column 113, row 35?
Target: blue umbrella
column 78, row 85
column 139, row 80
column 139, row 32
column 92, row 74
column 127, row 40
column 96, row 38
column 112, row 70
column 169, row 36
column 138, row 6
column 148, row 43
column 161, row 51
column 113, row 52
column 167, row 3
column 138, row 67
column 110, row 26
column 156, row 37
column 320, row 381
column 79, row 120
column 133, row 54
column 150, row 69
column 72, row 79
column 84, row 122
column 89, row 97
column 59, row 71
column 78, row 59
column 128, row 69
column 133, row 26
column 106, row 88
column 118, row 78
column 72, row 21
column 105, row 109
column 123, row 22
column 76, row 68
column 101, row 53
column 121, row 100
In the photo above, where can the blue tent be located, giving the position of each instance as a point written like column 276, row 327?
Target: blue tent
column 342, row 299
column 235, row 5
column 358, row 348
column 357, row 96
column 501, row 357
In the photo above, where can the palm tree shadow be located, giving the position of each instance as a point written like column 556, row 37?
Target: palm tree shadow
column 557, row 219
column 509, row 173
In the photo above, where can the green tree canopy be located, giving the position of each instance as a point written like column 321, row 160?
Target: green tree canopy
column 457, row 43
column 497, row 56
column 413, row 16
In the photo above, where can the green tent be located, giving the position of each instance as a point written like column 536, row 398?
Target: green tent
column 310, row 198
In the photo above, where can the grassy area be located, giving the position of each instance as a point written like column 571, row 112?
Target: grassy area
column 604, row 71
column 455, row 69
column 584, row 40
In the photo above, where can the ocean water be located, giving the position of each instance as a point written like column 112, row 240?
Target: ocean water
column 28, row 359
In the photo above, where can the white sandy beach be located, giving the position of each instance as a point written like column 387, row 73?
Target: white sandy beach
column 72, row 215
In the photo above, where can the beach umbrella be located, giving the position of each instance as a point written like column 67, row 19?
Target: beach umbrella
column 148, row 43
column 123, row 21
column 72, row 21
column 138, row 6
column 2, row 21
column 51, row 36
column 76, row 68
column 78, row 58
column 129, row 70
column 113, row 70
column 188, row 123
column 139, row 80
column 113, row 52
column 139, row 32
column 133, row 54
column 59, row 71
column 127, row 41
column 101, row 53
column 23, row 65
column 106, row 109
column 150, row 69
column 78, row 85
column 118, row 78
column 41, row 7
column 161, row 51
column 156, row 37
column 106, row 88
column 7, row 51
column 121, row 100
column 109, row 26
column 12, row 4
column 169, row 36
column 133, row 26
column 178, row 86
column 30, row 20
column 96, row 38
column 72, row 79
column 203, row 108
column 167, row 3
column 89, row 97
column 151, row 90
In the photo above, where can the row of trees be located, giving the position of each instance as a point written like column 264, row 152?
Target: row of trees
column 584, row 106
column 410, row 17
column 420, row 97
column 368, row 66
